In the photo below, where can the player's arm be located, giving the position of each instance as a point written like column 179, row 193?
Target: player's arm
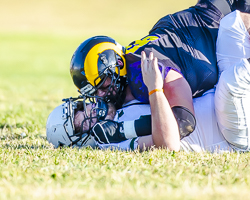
column 165, row 132
column 178, row 91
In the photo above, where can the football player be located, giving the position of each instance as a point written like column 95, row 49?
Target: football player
column 225, row 123
column 183, row 42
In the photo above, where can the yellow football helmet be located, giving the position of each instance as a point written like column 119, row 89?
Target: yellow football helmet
column 96, row 59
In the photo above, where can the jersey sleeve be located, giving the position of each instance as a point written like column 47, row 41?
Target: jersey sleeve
column 135, row 79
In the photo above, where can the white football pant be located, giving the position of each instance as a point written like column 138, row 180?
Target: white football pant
column 232, row 105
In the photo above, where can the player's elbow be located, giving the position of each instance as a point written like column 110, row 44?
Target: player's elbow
column 171, row 145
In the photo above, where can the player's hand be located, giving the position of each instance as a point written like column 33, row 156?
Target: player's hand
column 108, row 131
column 150, row 72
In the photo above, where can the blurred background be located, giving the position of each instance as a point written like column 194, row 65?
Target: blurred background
column 38, row 38
column 127, row 19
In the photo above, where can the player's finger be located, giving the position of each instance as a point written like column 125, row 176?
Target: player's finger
column 150, row 62
column 156, row 67
column 155, row 64
column 144, row 62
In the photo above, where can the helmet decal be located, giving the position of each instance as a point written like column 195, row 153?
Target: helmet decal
column 92, row 60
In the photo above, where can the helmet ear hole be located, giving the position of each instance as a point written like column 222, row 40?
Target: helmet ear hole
column 120, row 63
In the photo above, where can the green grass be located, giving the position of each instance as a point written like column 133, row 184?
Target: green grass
column 31, row 169
column 37, row 40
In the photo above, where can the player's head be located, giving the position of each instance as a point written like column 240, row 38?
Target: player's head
column 97, row 60
column 60, row 127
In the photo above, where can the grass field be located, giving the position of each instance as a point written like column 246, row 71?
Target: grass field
column 37, row 40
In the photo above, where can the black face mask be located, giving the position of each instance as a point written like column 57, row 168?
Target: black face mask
column 99, row 111
column 117, row 97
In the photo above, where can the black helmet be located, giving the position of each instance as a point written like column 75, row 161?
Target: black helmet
column 96, row 59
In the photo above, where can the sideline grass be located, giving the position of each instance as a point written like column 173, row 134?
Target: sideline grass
column 34, row 77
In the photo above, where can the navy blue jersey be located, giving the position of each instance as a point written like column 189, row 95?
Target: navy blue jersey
column 185, row 42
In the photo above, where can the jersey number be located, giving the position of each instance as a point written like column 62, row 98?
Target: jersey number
column 139, row 43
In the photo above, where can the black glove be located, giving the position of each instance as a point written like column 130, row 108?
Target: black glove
column 108, row 131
